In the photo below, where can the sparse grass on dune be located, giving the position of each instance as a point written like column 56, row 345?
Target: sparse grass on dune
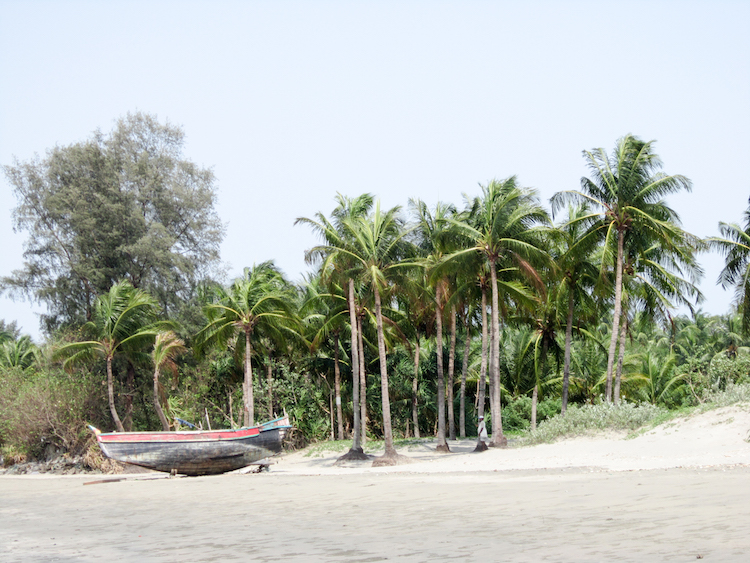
column 625, row 417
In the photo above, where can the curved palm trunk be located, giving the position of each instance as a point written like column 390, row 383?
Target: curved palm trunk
column 362, row 383
column 390, row 451
column 157, row 404
column 248, row 384
column 616, row 315
column 442, row 445
column 483, row 363
column 498, row 439
column 568, row 342
column 451, row 377
column 111, row 396
column 464, row 371
column 414, row 389
column 356, row 449
column 621, row 357
column 337, row 387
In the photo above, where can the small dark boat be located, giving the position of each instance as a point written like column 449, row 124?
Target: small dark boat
column 195, row 452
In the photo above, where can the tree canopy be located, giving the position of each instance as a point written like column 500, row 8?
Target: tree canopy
column 120, row 206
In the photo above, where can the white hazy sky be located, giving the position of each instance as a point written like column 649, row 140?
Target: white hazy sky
column 290, row 102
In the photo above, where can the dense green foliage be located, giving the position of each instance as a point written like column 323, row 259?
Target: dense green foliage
column 122, row 206
column 409, row 324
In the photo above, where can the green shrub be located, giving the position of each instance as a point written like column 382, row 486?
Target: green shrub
column 45, row 413
column 517, row 413
column 588, row 419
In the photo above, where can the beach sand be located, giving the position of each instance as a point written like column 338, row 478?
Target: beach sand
column 680, row 492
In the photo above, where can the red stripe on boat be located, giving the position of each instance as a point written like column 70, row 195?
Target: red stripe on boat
column 187, row 436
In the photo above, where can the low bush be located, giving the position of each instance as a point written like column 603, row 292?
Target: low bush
column 588, row 419
column 45, row 415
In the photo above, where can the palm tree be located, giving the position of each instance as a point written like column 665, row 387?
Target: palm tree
column 433, row 234
column 376, row 247
column 573, row 252
column 167, row 346
column 417, row 307
column 122, row 320
column 335, row 262
column 626, row 194
column 18, row 352
column 734, row 244
column 500, row 225
column 258, row 305
column 325, row 316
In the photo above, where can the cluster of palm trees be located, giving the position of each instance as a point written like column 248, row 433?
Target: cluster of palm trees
column 500, row 267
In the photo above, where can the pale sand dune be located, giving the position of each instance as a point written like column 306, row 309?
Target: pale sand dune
column 678, row 493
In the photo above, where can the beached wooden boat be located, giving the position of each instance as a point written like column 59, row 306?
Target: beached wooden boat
column 195, row 452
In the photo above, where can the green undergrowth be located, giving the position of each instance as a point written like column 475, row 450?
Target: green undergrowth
column 592, row 419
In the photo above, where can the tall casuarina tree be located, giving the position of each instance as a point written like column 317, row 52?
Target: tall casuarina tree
column 257, row 305
column 625, row 192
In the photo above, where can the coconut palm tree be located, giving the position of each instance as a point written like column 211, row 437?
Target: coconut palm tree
column 434, row 241
column 18, row 352
column 167, row 346
column 325, row 316
column 501, row 225
column 625, row 192
column 335, row 262
column 418, row 309
column 376, row 248
column 124, row 319
column 574, row 251
column 734, row 244
column 258, row 305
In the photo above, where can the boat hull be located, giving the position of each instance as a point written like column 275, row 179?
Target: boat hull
column 196, row 452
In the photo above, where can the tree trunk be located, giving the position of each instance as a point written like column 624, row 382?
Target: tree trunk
column 269, row 387
column 442, row 445
column 157, row 404
column 129, row 393
column 390, row 451
column 483, row 364
column 111, row 396
column 330, row 406
column 539, row 376
column 356, row 450
column 248, row 387
column 414, row 389
column 498, row 438
column 362, row 383
column 616, row 315
column 451, row 377
column 464, row 371
column 337, row 387
column 621, row 356
column 568, row 343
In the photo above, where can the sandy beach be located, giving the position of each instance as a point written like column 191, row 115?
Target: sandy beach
column 679, row 492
